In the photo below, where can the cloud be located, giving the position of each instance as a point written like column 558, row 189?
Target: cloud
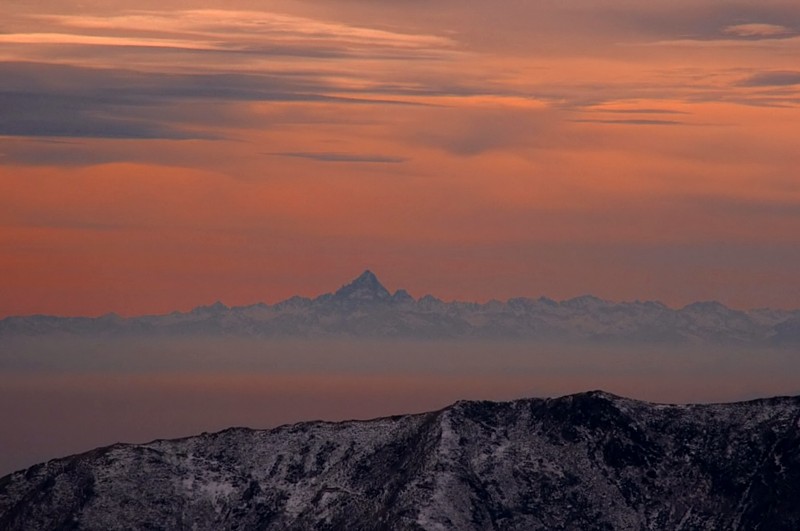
column 636, row 111
column 53, row 115
column 44, row 100
column 343, row 157
column 772, row 79
column 706, row 21
column 470, row 132
column 62, row 76
column 757, row 30
column 788, row 44
column 50, row 152
column 245, row 32
column 634, row 121
column 97, row 40
column 241, row 24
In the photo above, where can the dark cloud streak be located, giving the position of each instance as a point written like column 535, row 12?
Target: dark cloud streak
column 343, row 157
column 628, row 122
column 772, row 79
column 52, row 115
column 43, row 100
column 636, row 111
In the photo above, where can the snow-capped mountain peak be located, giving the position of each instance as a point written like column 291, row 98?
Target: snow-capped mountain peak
column 365, row 308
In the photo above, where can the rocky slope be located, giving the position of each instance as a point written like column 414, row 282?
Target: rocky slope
column 364, row 308
column 586, row 461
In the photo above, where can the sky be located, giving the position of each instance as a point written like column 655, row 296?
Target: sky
column 160, row 155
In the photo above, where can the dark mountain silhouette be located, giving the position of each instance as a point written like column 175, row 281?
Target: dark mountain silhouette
column 586, row 461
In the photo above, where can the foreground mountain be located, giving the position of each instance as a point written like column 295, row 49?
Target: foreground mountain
column 587, row 461
column 365, row 308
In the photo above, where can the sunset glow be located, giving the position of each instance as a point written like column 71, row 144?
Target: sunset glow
column 157, row 156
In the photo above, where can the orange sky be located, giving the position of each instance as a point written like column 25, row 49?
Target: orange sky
column 161, row 155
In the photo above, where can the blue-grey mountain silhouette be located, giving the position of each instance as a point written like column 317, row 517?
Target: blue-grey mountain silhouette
column 364, row 308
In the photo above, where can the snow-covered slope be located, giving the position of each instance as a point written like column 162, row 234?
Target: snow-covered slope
column 365, row 308
column 586, row 461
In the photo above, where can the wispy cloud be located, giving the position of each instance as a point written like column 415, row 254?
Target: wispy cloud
column 250, row 32
column 44, row 100
column 772, row 79
column 261, row 23
column 788, row 43
column 343, row 157
column 53, row 115
column 635, row 111
column 64, row 78
column 755, row 30
column 633, row 121
column 98, row 40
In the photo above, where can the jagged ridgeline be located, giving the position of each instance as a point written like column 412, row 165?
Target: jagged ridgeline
column 364, row 308
column 586, row 461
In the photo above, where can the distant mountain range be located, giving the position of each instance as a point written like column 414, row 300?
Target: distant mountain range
column 587, row 461
column 364, row 308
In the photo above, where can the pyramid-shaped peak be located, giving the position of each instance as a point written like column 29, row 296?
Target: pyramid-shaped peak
column 402, row 296
column 366, row 287
column 367, row 277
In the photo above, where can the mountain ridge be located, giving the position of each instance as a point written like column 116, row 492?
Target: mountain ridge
column 365, row 308
column 590, row 460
